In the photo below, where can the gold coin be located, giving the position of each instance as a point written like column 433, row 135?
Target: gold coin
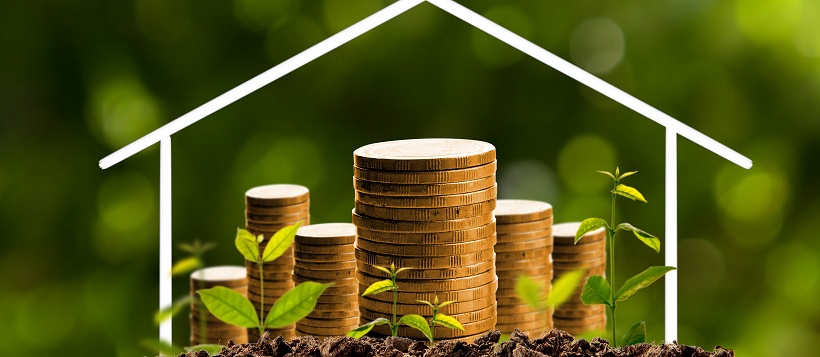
column 582, row 322
column 599, row 246
column 565, row 233
column 278, row 210
column 521, row 317
column 429, row 189
column 305, row 330
column 536, row 270
column 425, row 214
column 530, row 325
column 520, row 237
column 559, row 257
column 524, row 246
column 254, row 275
column 426, row 274
column 350, row 264
column 523, row 264
column 461, row 199
column 274, row 219
column 406, row 297
column 341, row 322
column 267, row 233
column 338, row 299
column 580, row 265
column 424, row 238
column 324, row 258
column 376, row 224
column 283, row 264
column 426, row 177
column 518, row 309
column 273, row 227
column 477, row 315
column 540, row 254
column 524, row 227
column 507, row 287
column 424, row 154
column 591, row 310
column 342, row 289
column 323, row 249
column 426, row 250
column 596, row 270
column 354, row 305
column 433, row 285
column 341, row 314
column 521, row 211
column 423, row 262
column 470, row 328
column 337, row 282
column 324, row 274
column 255, row 293
column 228, row 276
column 511, row 300
column 422, row 309
column 326, row 234
column 276, row 195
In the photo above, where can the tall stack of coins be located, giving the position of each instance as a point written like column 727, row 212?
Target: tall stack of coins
column 324, row 253
column 205, row 327
column 524, row 245
column 427, row 204
column 267, row 210
column 590, row 254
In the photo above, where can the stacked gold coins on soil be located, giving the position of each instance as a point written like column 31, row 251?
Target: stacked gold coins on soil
column 524, row 245
column 427, row 204
column 206, row 328
column 589, row 254
column 324, row 254
column 267, row 210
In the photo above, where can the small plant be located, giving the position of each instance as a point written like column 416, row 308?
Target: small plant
column 415, row 321
column 234, row 308
column 441, row 319
column 530, row 290
column 599, row 291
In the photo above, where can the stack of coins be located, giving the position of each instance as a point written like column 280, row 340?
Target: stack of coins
column 205, row 327
column 524, row 245
column 267, row 210
column 324, row 253
column 427, row 204
column 589, row 254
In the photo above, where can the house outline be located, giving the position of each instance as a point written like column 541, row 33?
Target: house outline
column 672, row 125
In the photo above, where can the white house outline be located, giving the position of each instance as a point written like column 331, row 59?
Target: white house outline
column 673, row 129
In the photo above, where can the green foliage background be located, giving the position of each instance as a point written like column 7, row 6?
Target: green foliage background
column 81, row 78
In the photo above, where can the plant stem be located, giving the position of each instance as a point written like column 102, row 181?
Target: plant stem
column 261, row 299
column 394, row 327
column 612, row 265
column 433, row 327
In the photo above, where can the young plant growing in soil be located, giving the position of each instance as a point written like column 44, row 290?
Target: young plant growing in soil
column 530, row 290
column 441, row 319
column 415, row 321
column 599, row 291
column 234, row 308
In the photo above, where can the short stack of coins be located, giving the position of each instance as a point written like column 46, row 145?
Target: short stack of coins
column 205, row 327
column 267, row 210
column 589, row 254
column 427, row 204
column 324, row 253
column 524, row 246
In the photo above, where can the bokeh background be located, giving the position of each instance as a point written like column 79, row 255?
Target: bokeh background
column 81, row 78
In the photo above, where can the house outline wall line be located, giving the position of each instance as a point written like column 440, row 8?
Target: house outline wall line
column 674, row 128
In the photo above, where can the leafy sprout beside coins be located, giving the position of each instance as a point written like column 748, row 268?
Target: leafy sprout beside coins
column 599, row 291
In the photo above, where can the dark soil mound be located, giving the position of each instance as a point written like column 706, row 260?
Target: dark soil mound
column 556, row 343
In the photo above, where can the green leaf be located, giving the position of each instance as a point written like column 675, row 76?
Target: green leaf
column 430, row 304
column 606, row 173
column 596, row 291
column 564, row 287
column 589, row 225
column 379, row 286
column 629, row 192
column 448, row 322
column 247, row 245
column 640, row 281
column 445, row 303
column 164, row 348
column 364, row 329
column 211, row 349
column 626, row 174
column 229, row 306
column 295, row 304
column 387, row 271
column 648, row 239
column 635, row 335
column 186, row 266
column 280, row 242
column 417, row 322
column 171, row 311
column 617, row 171
column 529, row 290
column 401, row 270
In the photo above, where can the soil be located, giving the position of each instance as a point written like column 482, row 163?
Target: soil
column 555, row 343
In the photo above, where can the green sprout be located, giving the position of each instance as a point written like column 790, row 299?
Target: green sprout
column 597, row 290
column 530, row 290
column 234, row 308
column 415, row 321
column 441, row 319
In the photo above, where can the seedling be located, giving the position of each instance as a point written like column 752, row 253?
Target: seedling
column 234, row 308
column 530, row 290
column 441, row 319
column 415, row 321
column 599, row 291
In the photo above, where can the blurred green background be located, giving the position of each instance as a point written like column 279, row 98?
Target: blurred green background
column 80, row 79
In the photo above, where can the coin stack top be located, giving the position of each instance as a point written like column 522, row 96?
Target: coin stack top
column 324, row 253
column 589, row 254
column 427, row 204
column 267, row 210
column 205, row 327
column 524, row 245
